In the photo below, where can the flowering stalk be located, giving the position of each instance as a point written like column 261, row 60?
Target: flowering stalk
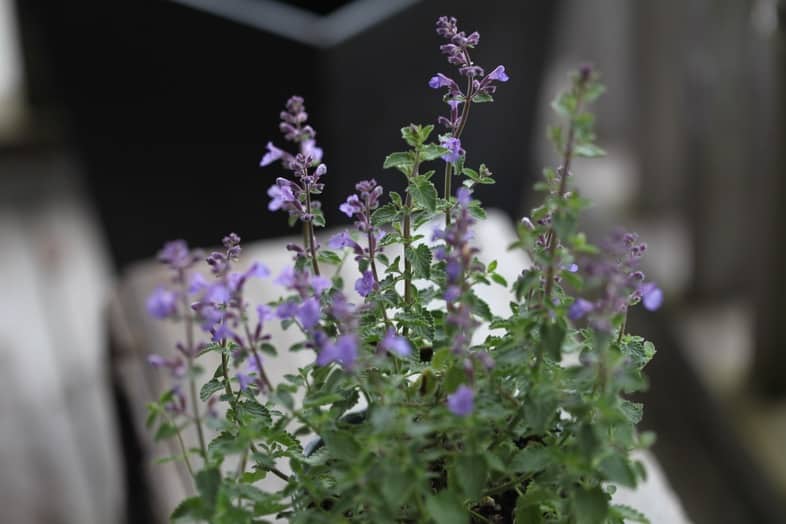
column 582, row 80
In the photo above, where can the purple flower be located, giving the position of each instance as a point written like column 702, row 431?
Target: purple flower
column 452, row 293
column 439, row 80
column 244, row 381
column 365, row 284
column 273, row 154
column 257, row 270
column 286, row 310
column 217, row 294
column 499, row 74
column 319, row 284
column 340, row 240
column 580, row 308
column 280, row 195
column 651, row 296
column 308, row 313
column 264, row 313
column 309, row 149
column 344, row 351
column 197, row 283
column 453, row 145
column 462, row 402
column 396, row 344
column 286, row 278
column 162, row 303
column 351, row 206
column 463, row 196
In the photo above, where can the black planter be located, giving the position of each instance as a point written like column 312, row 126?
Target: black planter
column 170, row 104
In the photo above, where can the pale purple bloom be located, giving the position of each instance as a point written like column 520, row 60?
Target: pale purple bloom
column 344, row 351
column 463, row 196
column 273, row 154
column 453, row 145
column 264, row 313
column 257, row 270
column 365, row 284
column 651, row 296
column 217, row 294
column 279, row 195
column 462, row 402
column 162, row 303
column 319, row 284
column 499, row 74
column 351, row 206
column 308, row 313
column 244, row 381
column 197, row 283
column 396, row 344
column 452, row 293
column 309, row 148
column 573, row 268
column 580, row 308
column 340, row 240
column 157, row 361
column 286, row 278
column 439, row 80
column 286, row 310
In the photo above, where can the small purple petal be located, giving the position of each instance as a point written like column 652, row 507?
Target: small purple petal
column 365, row 285
column 396, row 344
column 197, row 283
column 309, row 148
column 286, row 310
column 162, row 303
column 244, row 381
column 452, row 293
column 453, row 145
column 319, row 284
column 580, row 308
column 308, row 313
column 463, row 196
column 264, row 313
column 499, row 74
column 651, row 296
column 344, row 351
column 286, row 278
column 257, row 270
column 157, row 361
column 273, row 154
column 462, row 402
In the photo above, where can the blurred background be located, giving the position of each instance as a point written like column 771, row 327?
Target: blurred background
column 128, row 123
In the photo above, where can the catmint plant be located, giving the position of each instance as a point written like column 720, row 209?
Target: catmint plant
column 408, row 413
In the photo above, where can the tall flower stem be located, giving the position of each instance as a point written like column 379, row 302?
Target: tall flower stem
column 372, row 242
column 407, row 234
column 553, row 241
column 459, row 129
column 310, row 232
column 189, row 327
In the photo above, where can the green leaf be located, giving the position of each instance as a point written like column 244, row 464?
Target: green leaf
column 446, row 508
column 396, row 487
column 618, row 470
column 329, row 257
column 420, row 257
column 208, row 482
column 402, row 161
column 423, row 193
column 342, row 445
column 165, row 431
column 432, row 152
column 385, row 215
column 191, row 509
column 499, row 279
column 588, row 151
column 551, row 336
column 629, row 514
column 210, row 387
column 471, row 473
column 530, row 459
column 482, row 98
column 591, row 506
column 526, row 512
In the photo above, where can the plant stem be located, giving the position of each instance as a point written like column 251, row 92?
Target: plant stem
column 371, row 256
column 563, row 188
column 189, row 325
column 407, row 234
column 182, row 444
column 311, row 237
column 449, row 167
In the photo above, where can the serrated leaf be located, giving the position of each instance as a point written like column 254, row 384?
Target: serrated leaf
column 329, row 257
column 629, row 514
column 552, row 334
column 446, row 508
column 424, row 194
column 208, row 388
column 420, row 257
column 432, row 152
column 618, row 470
column 471, row 471
column 189, row 510
column 591, row 506
column 530, row 459
column 402, row 160
column 588, row 151
column 385, row 215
